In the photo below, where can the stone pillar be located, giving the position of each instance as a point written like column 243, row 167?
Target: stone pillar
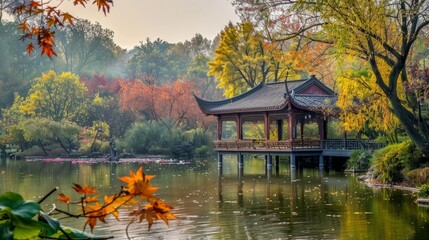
column 240, row 159
column 292, row 158
column 220, row 163
column 321, row 162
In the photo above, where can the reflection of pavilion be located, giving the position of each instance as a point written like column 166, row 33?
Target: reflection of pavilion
column 271, row 119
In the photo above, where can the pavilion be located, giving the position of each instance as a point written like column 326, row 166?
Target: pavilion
column 271, row 119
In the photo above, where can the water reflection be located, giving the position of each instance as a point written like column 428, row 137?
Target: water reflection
column 254, row 203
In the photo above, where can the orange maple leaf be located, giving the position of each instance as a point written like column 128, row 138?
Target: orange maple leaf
column 138, row 184
column 109, row 208
column 91, row 199
column 23, row 26
column 93, row 212
column 83, row 190
column 103, row 4
column 81, row 2
column 67, row 17
column 64, row 198
column 157, row 210
column 30, row 48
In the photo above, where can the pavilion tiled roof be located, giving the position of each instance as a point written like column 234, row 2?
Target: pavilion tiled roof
column 272, row 97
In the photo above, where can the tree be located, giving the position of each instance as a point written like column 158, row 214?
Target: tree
column 86, row 47
column 43, row 131
column 38, row 20
column 239, row 62
column 107, row 110
column 172, row 104
column 363, row 106
column 379, row 32
column 56, row 97
column 246, row 57
column 150, row 62
column 197, row 72
column 16, row 69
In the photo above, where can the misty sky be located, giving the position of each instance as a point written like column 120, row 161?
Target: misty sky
column 171, row 20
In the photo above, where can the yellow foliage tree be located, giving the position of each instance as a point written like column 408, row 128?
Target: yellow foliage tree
column 363, row 104
column 55, row 97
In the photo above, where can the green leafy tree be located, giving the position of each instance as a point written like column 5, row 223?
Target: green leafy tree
column 16, row 68
column 149, row 61
column 44, row 131
column 87, row 47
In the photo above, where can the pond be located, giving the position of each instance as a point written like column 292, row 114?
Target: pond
column 299, row 204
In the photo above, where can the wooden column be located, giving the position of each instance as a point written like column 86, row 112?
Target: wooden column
column 239, row 127
column 279, row 129
column 219, row 128
column 291, row 125
column 301, row 122
column 266, row 126
column 320, row 125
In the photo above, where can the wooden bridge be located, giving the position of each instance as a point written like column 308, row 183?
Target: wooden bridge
column 293, row 149
column 339, row 147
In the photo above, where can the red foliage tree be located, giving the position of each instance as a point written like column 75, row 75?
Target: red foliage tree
column 174, row 102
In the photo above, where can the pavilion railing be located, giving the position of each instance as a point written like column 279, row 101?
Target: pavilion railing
column 261, row 144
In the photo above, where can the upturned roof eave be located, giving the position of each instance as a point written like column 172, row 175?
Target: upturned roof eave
column 279, row 107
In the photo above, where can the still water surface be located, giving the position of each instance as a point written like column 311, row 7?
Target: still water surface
column 284, row 204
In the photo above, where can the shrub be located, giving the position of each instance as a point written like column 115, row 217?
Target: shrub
column 360, row 160
column 423, row 191
column 418, row 177
column 392, row 161
column 156, row 138
column 201, row 151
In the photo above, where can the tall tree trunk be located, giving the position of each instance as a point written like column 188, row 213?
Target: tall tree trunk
column 415, row 130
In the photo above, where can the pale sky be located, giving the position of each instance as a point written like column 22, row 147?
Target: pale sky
column 170, row 20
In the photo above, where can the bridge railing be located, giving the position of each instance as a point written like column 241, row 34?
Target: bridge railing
column 342, row 144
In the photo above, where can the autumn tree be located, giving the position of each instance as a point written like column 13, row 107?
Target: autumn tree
column 56, row 97
column 86, row 47
column 375, row 31
column 39, row 19
column 239, row 62
column 364, row 108
column 246, row 57
column 171, row 104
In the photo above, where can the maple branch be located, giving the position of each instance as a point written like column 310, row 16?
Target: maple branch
column 47, row 195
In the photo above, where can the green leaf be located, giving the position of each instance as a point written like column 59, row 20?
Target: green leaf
column 75, row 234
column 26, row 228
column 53, row 225
column 19, row 207
column 5, row 232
